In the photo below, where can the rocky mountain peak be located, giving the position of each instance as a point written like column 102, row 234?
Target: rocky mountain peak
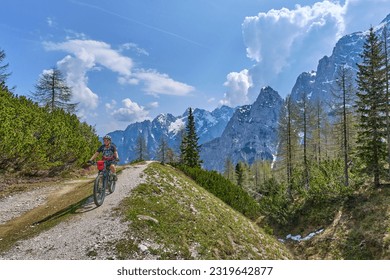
column 250, row 135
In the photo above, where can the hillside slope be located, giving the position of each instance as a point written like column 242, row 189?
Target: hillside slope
column 173, row 218
column 356, row 229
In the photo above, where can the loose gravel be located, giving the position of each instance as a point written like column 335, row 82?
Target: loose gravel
column 83, row 237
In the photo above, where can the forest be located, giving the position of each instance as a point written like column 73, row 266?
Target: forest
column 327, row 152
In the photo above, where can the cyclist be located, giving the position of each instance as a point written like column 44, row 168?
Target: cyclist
column 110, row 155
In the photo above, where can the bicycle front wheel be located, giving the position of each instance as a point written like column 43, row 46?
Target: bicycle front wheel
column 99, row 190
column 111, row 186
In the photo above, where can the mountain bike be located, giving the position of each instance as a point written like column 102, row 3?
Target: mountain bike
column 103, row 181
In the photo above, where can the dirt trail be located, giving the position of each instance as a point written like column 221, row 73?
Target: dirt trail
column 84, row 236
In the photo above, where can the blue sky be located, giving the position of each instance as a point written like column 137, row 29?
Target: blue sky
column 128, row 61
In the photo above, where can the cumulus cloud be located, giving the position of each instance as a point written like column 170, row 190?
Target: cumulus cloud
column 286, row 42
column 129, row 112
column 238, row 85
column 273, row 35
column 76, row 76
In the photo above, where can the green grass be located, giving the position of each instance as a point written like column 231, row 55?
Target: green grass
column 358, row 228
column 171, row 217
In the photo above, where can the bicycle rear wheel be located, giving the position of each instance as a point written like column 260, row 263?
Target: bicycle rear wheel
column 99, row 190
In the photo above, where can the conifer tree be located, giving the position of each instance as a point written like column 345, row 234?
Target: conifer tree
column 319, row 131
column 240, row 174
column 3, row 70
column 305, row 120
column 229, row 170
column 52, row 92
column 387, row 92
column 343, row 95
column 288, row 137
column 190, row 150
column 370, row 107
column 261, row 171
column 163, row 151
column 141, row 148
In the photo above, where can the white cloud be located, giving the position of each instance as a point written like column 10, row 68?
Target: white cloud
column 76, row 77
column 238, row 85
column 156, row 83
column 94, row 52
column 130, row 112
column 134, row 47
column 284, row 43
column 50, row 22
column 278, row 31
column 153, row 105
column 111, row 105
column 87, row 55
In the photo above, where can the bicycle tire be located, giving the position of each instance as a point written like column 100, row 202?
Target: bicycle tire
column 99, row 190
column 111, row 186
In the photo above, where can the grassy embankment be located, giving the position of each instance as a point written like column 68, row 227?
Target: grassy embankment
column 171, row 217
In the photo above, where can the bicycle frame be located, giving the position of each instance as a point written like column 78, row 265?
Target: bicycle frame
column 102, row 181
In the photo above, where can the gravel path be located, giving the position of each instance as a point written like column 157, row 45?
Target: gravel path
column 85, row 236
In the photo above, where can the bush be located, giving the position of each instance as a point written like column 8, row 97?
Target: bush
column 224, row 189
column 34, row 140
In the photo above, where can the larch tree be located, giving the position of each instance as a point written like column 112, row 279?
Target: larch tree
column 141, row 148
column 306, row 128
column 344, row 93
column 229, row 170
column 288, row 139
column 163, row 151
column 52, row 91
column 4, row 74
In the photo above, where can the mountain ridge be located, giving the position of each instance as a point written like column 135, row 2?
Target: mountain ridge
column 249, row 143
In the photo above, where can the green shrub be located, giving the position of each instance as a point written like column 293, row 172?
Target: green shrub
column 224, row 189
column 35, row 140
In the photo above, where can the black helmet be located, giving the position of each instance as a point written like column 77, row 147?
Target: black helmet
column 107, row 137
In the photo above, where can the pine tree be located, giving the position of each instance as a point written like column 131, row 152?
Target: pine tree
column 190, row 150
column 52, row 92
column 370, row 107
column 240, row 174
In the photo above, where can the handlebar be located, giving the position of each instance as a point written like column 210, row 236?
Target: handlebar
column 92, row 162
